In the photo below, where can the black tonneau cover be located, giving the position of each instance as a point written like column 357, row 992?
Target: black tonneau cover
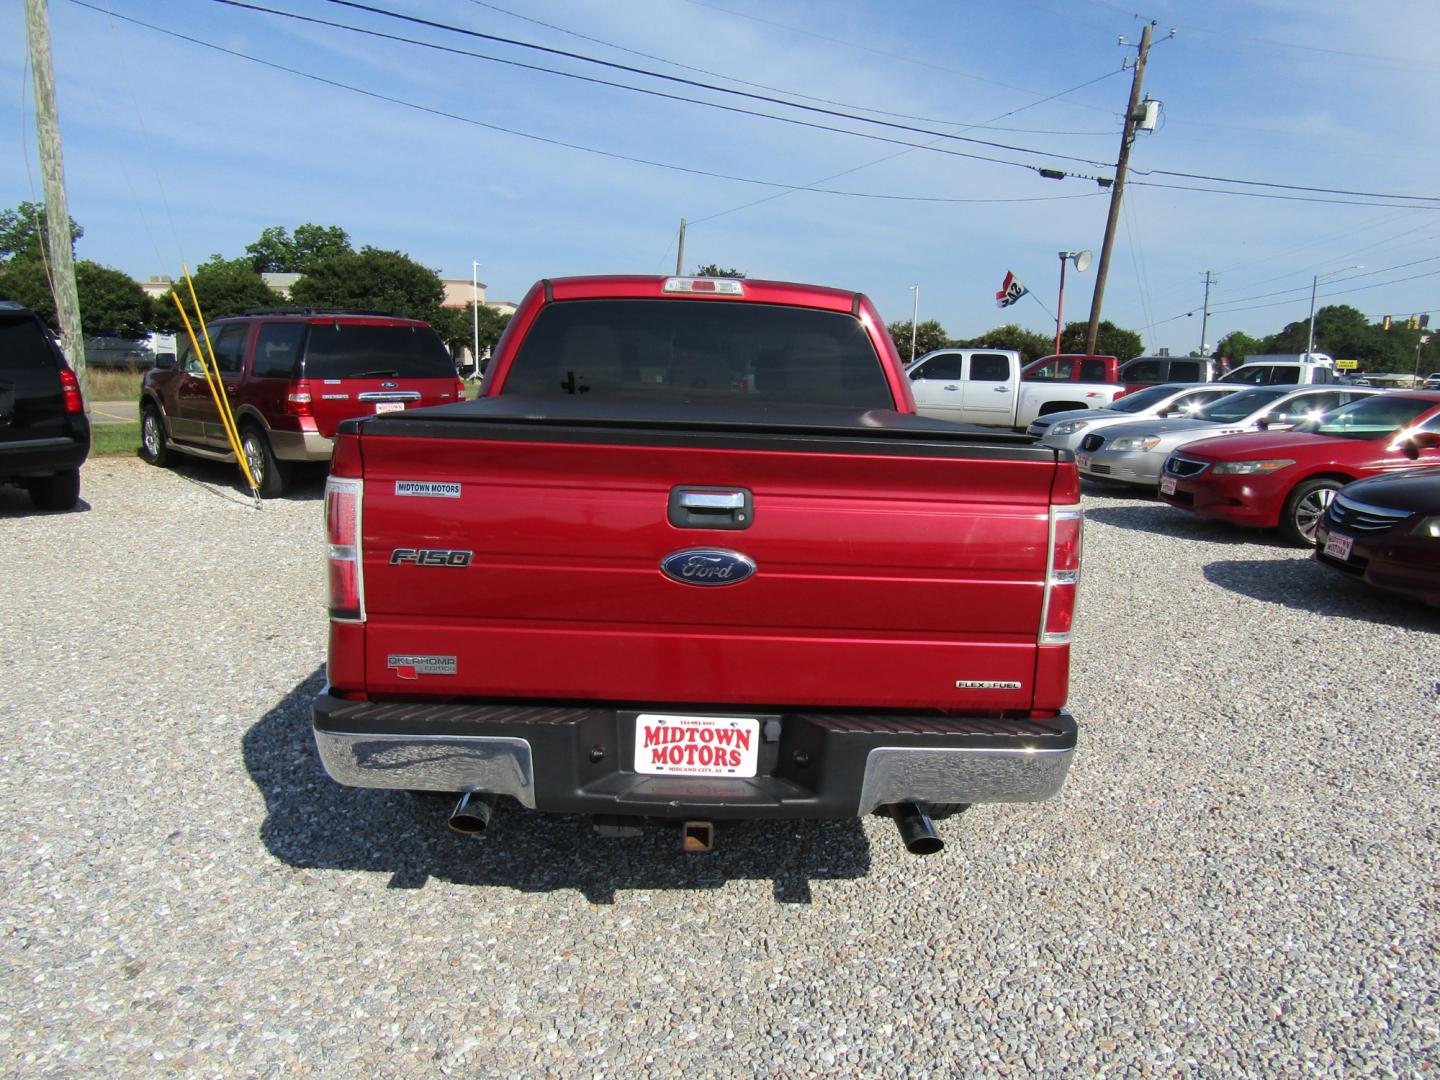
column 546, row 416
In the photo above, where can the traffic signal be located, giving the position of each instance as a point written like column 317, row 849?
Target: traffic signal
column 1424, row 322
column 1385, row 323
column 1412, row 323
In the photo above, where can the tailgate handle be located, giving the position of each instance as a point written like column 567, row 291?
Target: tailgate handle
column 711, row 508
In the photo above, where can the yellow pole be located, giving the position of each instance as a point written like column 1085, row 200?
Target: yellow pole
column 227, row 416
column 216, row 390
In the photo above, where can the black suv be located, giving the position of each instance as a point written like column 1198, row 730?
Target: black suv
column 44, row 433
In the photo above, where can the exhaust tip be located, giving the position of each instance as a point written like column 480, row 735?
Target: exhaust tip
column 471, row 815
column 917, row 831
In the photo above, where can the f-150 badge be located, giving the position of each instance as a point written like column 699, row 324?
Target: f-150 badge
column 707, row 566
column 430, row 557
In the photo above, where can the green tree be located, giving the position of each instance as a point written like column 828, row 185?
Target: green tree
column 1028, row 343
column 23, row 280
column 372, row 279
column 929, row 336
column 456, row 327
column 1110, row 340
column 1237, row 345
column 715, row 270
column 112, row 301
column 278, row 252
column 23, row 232
column 223, row 287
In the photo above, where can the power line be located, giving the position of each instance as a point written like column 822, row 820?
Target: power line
column 1295, row 299
column 776, row 89
column 890, row 157
column 389, row 99
column 1286, row 187
column 449, row 28
column 905, row 59
column 1287, row 198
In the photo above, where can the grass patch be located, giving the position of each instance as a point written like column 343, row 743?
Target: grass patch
column 109, row 384
column 110, row 440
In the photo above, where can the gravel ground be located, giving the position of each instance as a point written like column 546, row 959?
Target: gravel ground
column 1240, row 877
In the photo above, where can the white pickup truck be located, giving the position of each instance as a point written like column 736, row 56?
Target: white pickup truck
column 983, row 386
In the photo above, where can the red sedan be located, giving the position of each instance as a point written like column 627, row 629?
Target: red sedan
column 1286, row 479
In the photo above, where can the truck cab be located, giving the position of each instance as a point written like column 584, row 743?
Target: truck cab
column 993, row 388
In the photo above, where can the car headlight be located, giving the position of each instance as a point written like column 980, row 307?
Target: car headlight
column 1069, row 427
column 1251, row 468
column 1136, row 442
column 1429, row 527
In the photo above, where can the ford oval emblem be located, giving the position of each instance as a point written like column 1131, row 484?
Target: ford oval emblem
column 389, row 385
column 707, row 566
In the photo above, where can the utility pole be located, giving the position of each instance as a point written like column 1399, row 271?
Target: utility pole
column 57, row 210
column 680, row 253
column 914, row 314
column 1126, row 138
column 1205, row 318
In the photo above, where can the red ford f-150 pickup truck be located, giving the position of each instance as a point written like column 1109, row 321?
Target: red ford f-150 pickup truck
column 692, row 556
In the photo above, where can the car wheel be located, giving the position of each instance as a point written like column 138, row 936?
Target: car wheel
column 1304, row 509
column 59, row 491
column 152, row 437
column 270, row 476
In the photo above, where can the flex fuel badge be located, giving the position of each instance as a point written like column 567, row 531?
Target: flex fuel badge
column 412, row 667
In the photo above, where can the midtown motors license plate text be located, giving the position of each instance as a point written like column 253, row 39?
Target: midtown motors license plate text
column 668, row 745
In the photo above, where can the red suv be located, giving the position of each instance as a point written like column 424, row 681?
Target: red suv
column 291, row 377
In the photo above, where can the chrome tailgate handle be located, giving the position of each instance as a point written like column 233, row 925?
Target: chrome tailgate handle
column 711, row 508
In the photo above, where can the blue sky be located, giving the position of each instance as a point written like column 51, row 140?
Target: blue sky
column 174, row 151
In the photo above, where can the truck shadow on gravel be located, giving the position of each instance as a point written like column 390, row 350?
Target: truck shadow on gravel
column 1306, row 585
column 315, row 823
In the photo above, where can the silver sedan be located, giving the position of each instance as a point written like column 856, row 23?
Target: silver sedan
column 1132, row 453
column 1064, row 430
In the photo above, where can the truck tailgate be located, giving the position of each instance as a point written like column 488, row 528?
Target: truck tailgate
column 905, row 570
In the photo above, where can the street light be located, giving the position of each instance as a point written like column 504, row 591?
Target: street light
column 914, row 314
column 475, row 312
column 1310, row 340
column 1081, row 259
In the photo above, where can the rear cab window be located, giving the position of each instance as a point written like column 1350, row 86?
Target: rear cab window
column 700, row 350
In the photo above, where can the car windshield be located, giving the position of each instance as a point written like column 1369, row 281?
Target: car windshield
column 1371, row 418
column 341, row 350
column 655, row 350
column 1141, row 400
column 1238, row 406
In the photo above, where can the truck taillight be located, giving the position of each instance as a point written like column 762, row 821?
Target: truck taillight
column 70, row 387
column 1062, row 576
column 342, row 536
column 299, row 402
column 459, row 389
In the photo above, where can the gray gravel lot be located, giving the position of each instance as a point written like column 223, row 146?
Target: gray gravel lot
column 1240, row 877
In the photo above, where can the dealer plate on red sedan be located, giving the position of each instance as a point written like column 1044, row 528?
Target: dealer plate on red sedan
column 1167, row 485
column 667, row 745
column 1338, row 546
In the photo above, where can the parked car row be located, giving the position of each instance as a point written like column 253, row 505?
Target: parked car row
column 1352, row 471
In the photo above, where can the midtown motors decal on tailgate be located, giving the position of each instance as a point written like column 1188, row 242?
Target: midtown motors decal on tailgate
column 696, row 745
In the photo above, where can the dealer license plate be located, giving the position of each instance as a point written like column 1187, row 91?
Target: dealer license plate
column 389, row 406
column 1338, row 546
column 1167, row 485
column 668, row 745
